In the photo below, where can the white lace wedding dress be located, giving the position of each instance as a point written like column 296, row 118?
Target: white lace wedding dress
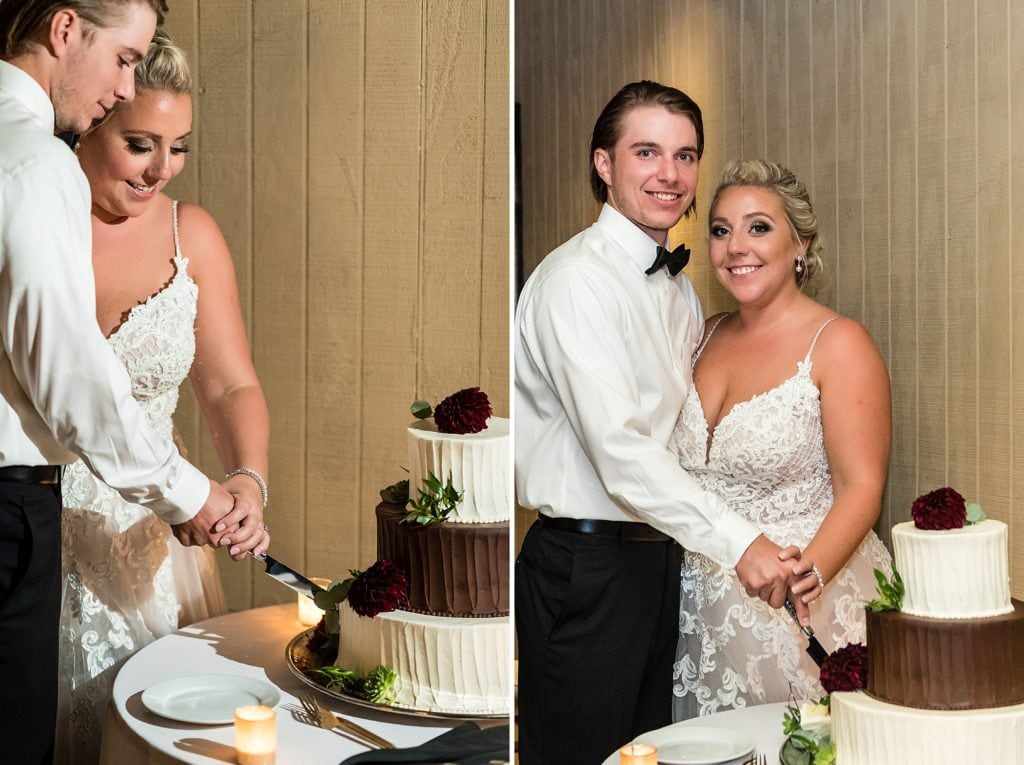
column 127, row 581
column 766, row 459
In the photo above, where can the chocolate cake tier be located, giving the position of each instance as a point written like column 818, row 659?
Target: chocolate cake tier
column 455, row 569
column 915, row 661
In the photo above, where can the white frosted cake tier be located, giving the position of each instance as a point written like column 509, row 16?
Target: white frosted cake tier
column 954, row 573
column 477, row 463
column 870, row 732
column 444, row 664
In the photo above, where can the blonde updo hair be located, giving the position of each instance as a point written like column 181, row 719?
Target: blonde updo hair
column 796, row 205
column 165, row 67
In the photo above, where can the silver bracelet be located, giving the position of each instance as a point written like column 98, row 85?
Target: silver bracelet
column 263, row 485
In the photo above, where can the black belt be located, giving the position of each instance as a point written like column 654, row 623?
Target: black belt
column 43, row 474
column 625, row 530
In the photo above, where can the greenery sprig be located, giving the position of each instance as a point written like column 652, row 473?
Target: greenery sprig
column 890, row 593
column 435, row 503
column 811, row 745
column 376, row 686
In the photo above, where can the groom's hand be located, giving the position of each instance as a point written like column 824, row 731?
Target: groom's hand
column 214, row 519
column 765, row 569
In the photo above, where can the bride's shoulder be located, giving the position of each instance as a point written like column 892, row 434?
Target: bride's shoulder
column 200, row 237
column 841, row 342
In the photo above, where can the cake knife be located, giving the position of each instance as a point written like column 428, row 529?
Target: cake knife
column 288, row 576
column 815, row 649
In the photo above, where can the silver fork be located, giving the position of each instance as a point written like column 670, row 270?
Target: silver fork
column 327, row 720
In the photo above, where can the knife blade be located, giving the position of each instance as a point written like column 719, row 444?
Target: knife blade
column 289, row 577
column 815, row 649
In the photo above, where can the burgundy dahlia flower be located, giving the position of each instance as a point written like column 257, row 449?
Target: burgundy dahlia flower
column 465, row 411
column 940, row 509
column 382, row 587
column 845, row 669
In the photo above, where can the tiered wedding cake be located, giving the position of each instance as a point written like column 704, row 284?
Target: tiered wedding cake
column 450, row 646
column 946, row 671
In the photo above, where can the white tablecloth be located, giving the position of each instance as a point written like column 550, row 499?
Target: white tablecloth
column 251, row 643
column 763, row 722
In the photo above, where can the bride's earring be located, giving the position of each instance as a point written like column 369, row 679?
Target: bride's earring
column 800, row 264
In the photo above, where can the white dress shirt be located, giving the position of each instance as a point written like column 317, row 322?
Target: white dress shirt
column 602, row 354
column 63, row 393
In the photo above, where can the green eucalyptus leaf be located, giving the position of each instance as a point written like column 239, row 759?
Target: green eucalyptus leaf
column 974, row 513
column 421, row 409
column 332, row 621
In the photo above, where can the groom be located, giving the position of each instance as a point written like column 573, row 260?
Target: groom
column 604, row 331
column 63, row 393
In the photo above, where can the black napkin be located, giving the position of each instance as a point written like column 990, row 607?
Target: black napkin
column 468, row 744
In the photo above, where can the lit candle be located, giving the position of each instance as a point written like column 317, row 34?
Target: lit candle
column 255, row 735
column 638, row 754
column 309, row 614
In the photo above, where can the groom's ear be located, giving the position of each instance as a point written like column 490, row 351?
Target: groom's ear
column 65, row 32
column 603, row 165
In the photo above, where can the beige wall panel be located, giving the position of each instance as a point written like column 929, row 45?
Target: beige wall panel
column 495, row 146
column 312, row 151
column 1016, row 329
column 818, row 171
column 449, row 331
column 903, row 371
column 845, row 254
column 996, row 250
column 335, row 288
column 875, row 197
column 394, row 186
column 280, row 263
column 961, row 208
column 776, row 88
column 752, row 94
column 930, row 275
column 901, row 117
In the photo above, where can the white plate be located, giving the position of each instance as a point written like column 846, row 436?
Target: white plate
column 692, row 745
column 207, row 699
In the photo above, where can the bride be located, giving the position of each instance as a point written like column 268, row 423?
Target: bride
column 165, row 294
column 789, row 422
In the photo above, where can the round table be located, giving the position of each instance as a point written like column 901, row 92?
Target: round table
column 763, row 722
column 250, row 643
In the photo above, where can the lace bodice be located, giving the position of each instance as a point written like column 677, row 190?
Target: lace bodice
column 766, row 458
column 156, row 343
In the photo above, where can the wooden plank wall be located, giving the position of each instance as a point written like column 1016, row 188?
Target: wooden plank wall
column 355, row 154
column 904, row 118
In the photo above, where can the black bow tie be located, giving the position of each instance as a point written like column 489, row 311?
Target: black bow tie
column 675, row 260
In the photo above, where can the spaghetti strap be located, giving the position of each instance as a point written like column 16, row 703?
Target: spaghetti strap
column 704, row 342
column 817, row 334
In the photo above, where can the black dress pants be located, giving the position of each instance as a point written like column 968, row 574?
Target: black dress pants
column 29, row 617
column 597, row 621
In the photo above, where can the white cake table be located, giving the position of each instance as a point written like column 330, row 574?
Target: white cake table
column 252, row 644
column 763, row 722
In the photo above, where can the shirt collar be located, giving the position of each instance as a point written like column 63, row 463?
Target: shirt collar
column 25, row 89
column 635, row 243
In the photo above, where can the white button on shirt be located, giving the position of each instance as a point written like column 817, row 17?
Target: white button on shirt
column 63, row 392
column 602, row 354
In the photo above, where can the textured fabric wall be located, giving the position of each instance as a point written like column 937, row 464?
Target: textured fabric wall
column 355, row 154
column 904, row 119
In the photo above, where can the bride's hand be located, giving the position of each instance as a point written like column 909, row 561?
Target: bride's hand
column 806, row 584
